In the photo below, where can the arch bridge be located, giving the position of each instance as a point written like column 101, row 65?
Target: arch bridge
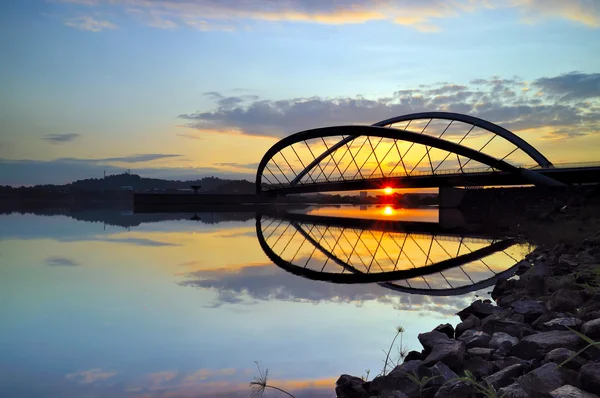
column 420, row 150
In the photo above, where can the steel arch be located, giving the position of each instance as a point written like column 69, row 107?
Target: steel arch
column 374, row 131
column 477, row 122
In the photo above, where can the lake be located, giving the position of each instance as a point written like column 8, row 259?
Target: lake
column 106, row 303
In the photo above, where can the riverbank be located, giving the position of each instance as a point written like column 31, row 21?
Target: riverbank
column 527, row 344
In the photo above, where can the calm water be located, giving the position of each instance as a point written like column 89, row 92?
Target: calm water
column 105, row 304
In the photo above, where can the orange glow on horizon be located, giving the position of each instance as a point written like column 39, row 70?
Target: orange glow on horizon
column 388, row 190
column 388, row 211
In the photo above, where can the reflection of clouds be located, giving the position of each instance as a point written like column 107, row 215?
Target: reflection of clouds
column 90, row 376
column 59, row 261
column 205, row 383
column 266, row 282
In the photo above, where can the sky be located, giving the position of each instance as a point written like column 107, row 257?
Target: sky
column 191, row 88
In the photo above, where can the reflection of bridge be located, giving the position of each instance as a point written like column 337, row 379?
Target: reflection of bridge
column 407, row 257
column 433, row 149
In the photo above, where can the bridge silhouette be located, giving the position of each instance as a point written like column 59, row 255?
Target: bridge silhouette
column 422, row 150
column 408, row 257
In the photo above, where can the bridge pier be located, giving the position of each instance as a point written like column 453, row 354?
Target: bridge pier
column 451, row 197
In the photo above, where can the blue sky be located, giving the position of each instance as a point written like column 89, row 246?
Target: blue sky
column 205, row 79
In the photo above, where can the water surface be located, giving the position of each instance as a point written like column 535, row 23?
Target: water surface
column 182, row 306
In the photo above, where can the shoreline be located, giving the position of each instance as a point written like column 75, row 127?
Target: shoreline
column 526, row 341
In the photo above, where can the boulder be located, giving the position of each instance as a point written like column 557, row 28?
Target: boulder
column 446, row 328
column 566, row 300
column 480, row 309
column 455, row 389
column 517, row 318
column 414, row 356
column 591, row 329
column 515, row 329
column 505, row 376
column 536, row 346
column 399, row 380
column 451, row 353
column 441, row 374
column 589, row 377
column 502, row 287
column 562, row 324
column 413, row 367
column 568, row 391
column 542, row 380
column 512, row 391
column 481, row 352
column 471, row 322
column 474, row 338
column 509, row 361
column 479, row 367
column 559, row 355
column 350, row 387
column 503, row 351
column 500, row 337
column 591, row 315
column 430, row 339
column 390, row 394
column 530, row 309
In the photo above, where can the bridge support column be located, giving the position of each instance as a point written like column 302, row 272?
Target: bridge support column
column 450, row 197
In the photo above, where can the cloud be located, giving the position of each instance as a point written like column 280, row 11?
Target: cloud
column 189, row 136
column 505, row 101
column 146, row 157
column 90, row 376
column 138, row 242
column 58, row 261
column 571, row 86
column 422, row 15
column 60, row 138
column 90, row 24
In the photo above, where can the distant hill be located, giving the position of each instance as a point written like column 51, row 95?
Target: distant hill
column 134, row 182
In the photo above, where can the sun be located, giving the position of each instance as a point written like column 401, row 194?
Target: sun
column 388, row 211
column 388, row 190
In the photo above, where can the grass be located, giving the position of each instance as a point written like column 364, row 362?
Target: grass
column 260, row 384
column 591, row 343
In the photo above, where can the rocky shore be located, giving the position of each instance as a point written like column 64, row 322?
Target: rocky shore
column 517, row 347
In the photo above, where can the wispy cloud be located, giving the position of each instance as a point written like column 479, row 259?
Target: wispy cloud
column 189, row 136
column 90, row 376
column 421, row 15
column 59, row 261
column 60, row 138
column 146, row 157
column 90, row 24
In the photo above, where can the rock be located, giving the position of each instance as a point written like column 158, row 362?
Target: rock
column 566, row 300
column 430, row 339
column 350, row 387
column 441, row 374
column 568, row 260
column 541, row 380
column 502, row 351
column 455, row 389
column 474, row 338
column 451, row 353
column 539, row 323
column 530, row 309
column 505, row 376
column 502, row 287
column 509, row 361
column 515, row 329
column 591, row 329
column 538, row 345
column 568, row 391
column 591, row 315
column 471, row 322
column 500, row 337
column 517, row 318
column 390, row 394
column 589, row 377
column 562, row 324
column 484, row 353
column 512, row 391
column 446, row 328
column 398, row 379
column 478, row 308
column 479, row 367
column 559, row 355
column 414, row 356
